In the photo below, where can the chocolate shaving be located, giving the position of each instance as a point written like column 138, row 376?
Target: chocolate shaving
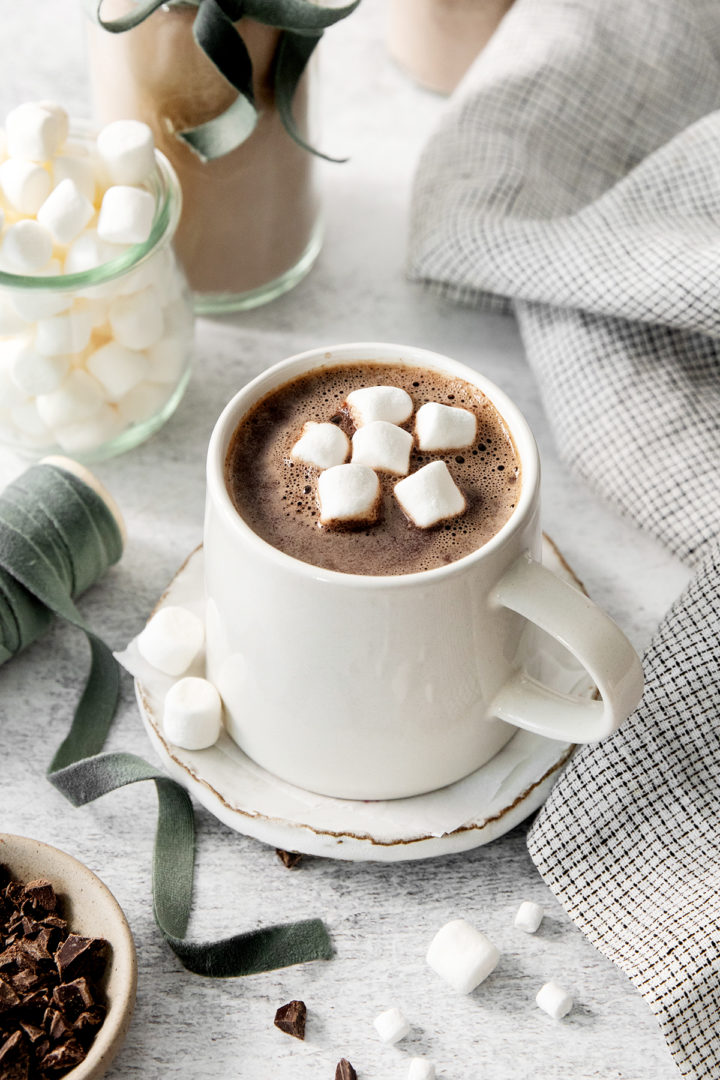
column 344, row 1070
column 290, row 1018
column 291, row 859
column 15, row 1058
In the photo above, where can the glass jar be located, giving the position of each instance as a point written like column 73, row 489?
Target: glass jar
column 436, row 41
column 93, row 362
column 250, row 228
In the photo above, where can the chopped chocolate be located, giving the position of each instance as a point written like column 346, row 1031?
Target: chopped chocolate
column 80, row 956
column 15, row 1058
column 39, row 898
column 290, row 1018
column 291, row 859
column 50, row 1009
column 344, row 1070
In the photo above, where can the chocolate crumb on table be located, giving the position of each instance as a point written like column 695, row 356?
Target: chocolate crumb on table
column 50, row 1006
column 344, row 1070
column 291, row 859
column 290, row 1018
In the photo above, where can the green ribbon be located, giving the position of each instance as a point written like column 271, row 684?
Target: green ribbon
column 57, row 537
column 302, row 24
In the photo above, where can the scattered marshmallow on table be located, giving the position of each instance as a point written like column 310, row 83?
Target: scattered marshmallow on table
column 370, row 403
column 391, row 1025
column 126, row 215
column 127, row 149
column 421, row 1069
column 430, row 495
column 25, row 185
column 553, row 1000
column 65, row 212
column 348, row 493
column 462, row 955
column 529, row 916
column 171, row 640
column 382, row 446
column 444, row 427
column 192, row 714
column 323, row 445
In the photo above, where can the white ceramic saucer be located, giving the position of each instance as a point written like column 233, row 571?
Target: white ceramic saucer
column 464, row 815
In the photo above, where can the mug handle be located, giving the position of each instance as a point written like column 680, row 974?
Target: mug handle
column 569, row 616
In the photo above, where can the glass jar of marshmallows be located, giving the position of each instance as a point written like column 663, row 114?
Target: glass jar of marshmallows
column 96, row 320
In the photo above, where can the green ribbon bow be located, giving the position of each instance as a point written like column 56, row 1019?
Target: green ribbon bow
column 302, row 23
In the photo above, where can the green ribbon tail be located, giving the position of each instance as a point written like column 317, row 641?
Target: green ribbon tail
column 293, row 53
column 127, row 22
column 246, row 953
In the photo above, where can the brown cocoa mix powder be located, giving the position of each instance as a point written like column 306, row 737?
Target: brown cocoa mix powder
column 277, row 496
column 248, row 216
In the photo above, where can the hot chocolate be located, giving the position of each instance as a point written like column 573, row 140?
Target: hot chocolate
column 276, row 494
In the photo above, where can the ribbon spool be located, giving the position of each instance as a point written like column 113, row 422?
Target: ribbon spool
column 60, row 530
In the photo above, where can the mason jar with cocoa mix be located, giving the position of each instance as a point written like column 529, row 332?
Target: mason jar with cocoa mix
column 250, row 227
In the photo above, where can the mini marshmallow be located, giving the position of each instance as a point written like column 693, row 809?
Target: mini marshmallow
column 35, row 130
column 462, row 955
column 65, row 212
column 27, row 246
column 323, row 445
column 28, row 423
column 391, row 1026
column 166, row 360
column 88, row 251
column 421, row 1069
column 126, row 215
column 383, row 446
column 142, row 402
column 77, row 398
column 127, row 150
column 36, row 374
column 10, row 321
column 136, row 320
column 529, row 916
column 348, row 493
column 443, row 427
column 171, row 640
column 86, row 435
column 192, row 716
column 77, row 169
column 25, row 185
column 31, row 304
column 430, row 495
column 553, row 1000
column 65, row 333
column 388, row 403
column 117, row 369
column 10, row 393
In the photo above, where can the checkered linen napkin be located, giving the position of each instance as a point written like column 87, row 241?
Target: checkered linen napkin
column 575, row 180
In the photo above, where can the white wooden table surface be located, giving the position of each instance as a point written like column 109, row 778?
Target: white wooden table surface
column 381, row 916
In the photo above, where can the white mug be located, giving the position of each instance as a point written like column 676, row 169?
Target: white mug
column 380, row 687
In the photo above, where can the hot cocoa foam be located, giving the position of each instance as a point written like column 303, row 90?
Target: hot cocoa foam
column 277, row 495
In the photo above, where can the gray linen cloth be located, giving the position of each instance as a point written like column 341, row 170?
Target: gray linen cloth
column 575, row 181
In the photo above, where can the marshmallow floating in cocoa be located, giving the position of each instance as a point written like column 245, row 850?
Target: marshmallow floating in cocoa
column 171, row 640
column 462, row 955
column 444, row 427
column 192, row 714
column 348, row 494
column 323, row 445
column 430, row 495
column 391, row 1025
column 390, row 403
column 529, row 916
column 383, row 446
column 553, row 1000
